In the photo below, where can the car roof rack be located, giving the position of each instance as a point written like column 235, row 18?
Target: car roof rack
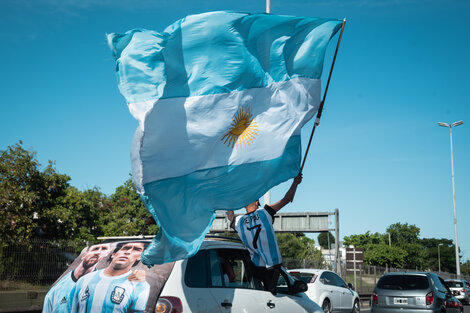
column 223, row 238
column 149, row 237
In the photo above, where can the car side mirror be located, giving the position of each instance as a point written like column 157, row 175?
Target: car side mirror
column 350, row 286
column 299, row 286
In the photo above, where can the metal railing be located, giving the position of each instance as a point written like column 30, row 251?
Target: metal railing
column 42, row 262
column 366, row 276
column 35, row 261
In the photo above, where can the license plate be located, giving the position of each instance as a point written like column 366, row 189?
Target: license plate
column 400, row 301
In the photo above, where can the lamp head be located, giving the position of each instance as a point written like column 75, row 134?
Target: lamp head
column 457, row 123
column 443, row 124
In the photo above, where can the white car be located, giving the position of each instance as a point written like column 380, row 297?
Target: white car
column 460, row 289
column 329, row 290
column 219, row 279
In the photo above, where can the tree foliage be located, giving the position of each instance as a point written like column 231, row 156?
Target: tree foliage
column 362, row 240
column 401, row 247
column 384, row 255
column 442, row 250
column 299, row 247
column 325, row 240
column 465, row 268
column 125, row 214
column 31, row 199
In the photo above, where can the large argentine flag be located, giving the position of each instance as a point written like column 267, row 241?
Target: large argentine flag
column 220, row 99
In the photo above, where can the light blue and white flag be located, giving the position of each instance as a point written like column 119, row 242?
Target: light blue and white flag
column 220, row 99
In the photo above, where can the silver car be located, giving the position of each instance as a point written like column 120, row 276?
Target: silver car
column 415, row 292
column 460, row 288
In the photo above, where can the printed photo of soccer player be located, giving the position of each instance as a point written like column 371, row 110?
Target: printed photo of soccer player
column 115, row 288
column 57, row 297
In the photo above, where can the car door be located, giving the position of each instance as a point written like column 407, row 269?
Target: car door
column 347, row 296
column 286, row 301
column 333, row 292
column 232, row 284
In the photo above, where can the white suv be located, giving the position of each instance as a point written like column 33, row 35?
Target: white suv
column 328, row 289
column 109, row 277
column 219, row 279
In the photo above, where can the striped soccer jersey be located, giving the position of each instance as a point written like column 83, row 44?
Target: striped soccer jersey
column 257, row 233
column 97, row 292
column 56, row 298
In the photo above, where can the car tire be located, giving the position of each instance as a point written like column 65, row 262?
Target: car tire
column 326, row 306
column 356, row 307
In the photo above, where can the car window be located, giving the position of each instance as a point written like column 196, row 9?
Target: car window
column 327, row 279
column 306, row 277
column 230, row 268
column 284, row 283
column 454, row 284
column 339, row 281
column 196, row 274
column 403, row 282
column 442, row 284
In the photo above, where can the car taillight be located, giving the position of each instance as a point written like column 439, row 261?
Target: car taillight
column 168, row 305
column 374, row 298
column 452, row 304
column 429, row 298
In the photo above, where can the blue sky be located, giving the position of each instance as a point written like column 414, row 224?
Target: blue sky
column 378, row 155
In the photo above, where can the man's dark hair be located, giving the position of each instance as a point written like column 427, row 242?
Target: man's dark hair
column 121, row 244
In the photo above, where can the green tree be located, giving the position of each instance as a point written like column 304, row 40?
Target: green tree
column 79, row 213
column 406, row 237
column 299, row 248
column 383, row 255
column 28, row 196
column 446, row 254
column 323, row 240
column 125, row 214
column 465, row 268
column 40, row 203
column 403, row 234
column 363, row 240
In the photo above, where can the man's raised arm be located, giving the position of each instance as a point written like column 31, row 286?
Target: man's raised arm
column 289, row 196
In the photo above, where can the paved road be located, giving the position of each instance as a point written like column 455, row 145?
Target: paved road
column 466, row 309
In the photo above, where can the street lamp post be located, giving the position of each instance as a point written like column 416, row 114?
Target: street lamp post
column 439, row 257
column 457, row 259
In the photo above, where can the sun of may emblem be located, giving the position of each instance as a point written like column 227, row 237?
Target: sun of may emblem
column 243, row 129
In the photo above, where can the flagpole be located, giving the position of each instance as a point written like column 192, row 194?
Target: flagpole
column 267, row 195
column 320, row 110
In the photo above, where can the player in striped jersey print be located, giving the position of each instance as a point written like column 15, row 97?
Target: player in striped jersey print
column 110, row 289
column 56, row 299
column 255, row 229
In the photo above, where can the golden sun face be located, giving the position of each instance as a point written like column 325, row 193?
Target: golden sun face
column 243, row 129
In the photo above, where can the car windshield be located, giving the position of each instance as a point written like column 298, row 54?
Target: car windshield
column 454, row 284
column 306, row 277
column 403, row 282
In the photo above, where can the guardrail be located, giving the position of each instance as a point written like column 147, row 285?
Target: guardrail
column 365, row 300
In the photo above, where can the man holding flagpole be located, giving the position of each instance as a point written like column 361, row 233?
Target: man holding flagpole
column 221, row 98
column 255, row 229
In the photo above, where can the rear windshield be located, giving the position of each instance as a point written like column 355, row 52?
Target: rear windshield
column 454, row 284
column 305, row 277
column 403, row 282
